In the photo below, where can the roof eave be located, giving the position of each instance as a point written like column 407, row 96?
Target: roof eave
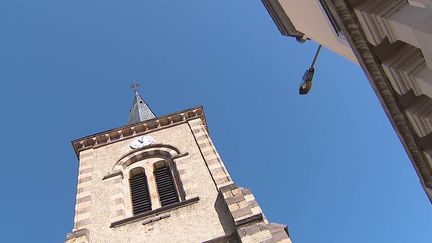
column 281, row 19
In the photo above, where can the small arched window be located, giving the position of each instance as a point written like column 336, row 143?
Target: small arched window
column 165, row 184
column 139, row 191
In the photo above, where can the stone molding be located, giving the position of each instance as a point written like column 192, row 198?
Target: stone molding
column 137, row 129
column 150, row 151
column 114, row 174
column 409, row 75
column 156, row 218
column 384, row 90
column 154, row 213
column 373, row 15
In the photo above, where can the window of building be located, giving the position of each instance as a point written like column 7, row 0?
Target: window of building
column 331, row 16
column 143, row 190
column 139, row 191
column 151, row 184
column 165, row 185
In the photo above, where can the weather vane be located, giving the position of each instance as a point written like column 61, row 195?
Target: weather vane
column 135, row 86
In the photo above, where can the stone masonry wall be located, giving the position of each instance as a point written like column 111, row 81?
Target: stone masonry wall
column 205, row 220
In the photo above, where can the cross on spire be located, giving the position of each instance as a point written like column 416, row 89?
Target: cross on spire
column 140, row 110
column 135, row 86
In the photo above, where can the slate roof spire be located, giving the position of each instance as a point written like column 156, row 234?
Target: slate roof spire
column 140, row 111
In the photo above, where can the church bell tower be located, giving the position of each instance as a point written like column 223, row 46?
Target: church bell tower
column 160, row 179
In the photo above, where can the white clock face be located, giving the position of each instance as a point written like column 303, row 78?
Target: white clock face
column 142, row 141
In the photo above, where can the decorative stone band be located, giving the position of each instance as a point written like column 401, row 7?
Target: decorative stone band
column 84, row 191
column 136, row 129
column 211, row 156
column 149, row 151
column 248, row 218
column 117, row 205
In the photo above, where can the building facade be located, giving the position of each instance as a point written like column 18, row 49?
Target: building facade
column 392, row 42
column 160, row 179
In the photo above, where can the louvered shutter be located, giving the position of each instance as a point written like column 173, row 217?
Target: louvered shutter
column 165, row 185
column 140, row 193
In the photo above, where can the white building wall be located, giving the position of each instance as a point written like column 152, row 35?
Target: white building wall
column 309, row 18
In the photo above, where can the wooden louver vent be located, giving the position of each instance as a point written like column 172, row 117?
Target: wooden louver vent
column 165, row 185
column 140, row 193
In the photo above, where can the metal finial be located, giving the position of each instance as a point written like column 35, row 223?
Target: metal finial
column 135, row 86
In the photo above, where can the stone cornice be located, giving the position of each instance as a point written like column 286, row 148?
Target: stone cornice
column 136, row 129
column 382, row 87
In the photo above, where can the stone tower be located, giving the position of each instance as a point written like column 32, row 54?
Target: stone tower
column 160, row 179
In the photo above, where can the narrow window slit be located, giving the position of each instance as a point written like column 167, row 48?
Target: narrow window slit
column 140, row 192
column 165, row 186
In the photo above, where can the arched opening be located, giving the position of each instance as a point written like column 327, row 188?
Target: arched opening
column 139, row 191
column 150, row 151
column 165, row 183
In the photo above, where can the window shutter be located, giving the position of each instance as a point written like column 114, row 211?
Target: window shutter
column 165, row 185
column 140, row 193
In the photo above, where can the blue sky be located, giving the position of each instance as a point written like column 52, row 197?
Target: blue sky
column 328, row 164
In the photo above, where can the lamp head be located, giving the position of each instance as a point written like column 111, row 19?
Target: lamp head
column 306, row 85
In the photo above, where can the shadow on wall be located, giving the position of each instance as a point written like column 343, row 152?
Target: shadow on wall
column 224, row 215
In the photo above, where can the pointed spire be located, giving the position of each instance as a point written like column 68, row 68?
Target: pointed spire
column 140, row 111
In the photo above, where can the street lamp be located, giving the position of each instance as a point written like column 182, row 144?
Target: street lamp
column 306, row 84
